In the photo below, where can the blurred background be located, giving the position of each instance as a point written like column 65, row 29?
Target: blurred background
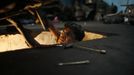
column 106, row 11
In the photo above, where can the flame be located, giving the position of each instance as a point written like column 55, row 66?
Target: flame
column 12, row 42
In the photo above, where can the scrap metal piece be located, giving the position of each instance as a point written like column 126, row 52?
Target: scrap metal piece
column 92, row 49
column 74, row 63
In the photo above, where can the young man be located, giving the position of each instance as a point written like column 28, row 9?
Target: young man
column 71, row 33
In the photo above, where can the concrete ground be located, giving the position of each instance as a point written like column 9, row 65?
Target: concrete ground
column 44, row 61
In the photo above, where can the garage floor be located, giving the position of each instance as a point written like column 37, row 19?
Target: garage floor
column 44, row 61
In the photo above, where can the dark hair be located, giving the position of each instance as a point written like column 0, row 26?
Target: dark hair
column 77, row 30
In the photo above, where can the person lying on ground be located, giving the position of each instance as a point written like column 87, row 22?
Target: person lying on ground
column 71, row 33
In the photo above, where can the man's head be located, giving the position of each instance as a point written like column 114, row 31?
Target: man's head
column 76, row 29
column 72, row 32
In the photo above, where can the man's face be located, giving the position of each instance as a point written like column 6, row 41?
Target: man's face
column 66, row 36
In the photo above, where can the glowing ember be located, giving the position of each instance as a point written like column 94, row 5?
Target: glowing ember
column 16, row 41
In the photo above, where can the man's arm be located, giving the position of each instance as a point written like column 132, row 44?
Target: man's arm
column 51, row 28
column 45, row 23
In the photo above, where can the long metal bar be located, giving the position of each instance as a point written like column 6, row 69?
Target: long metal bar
column 40, row 19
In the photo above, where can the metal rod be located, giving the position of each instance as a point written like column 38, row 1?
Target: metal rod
column 42, row 23
column 91, row 49
column 74, row 63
